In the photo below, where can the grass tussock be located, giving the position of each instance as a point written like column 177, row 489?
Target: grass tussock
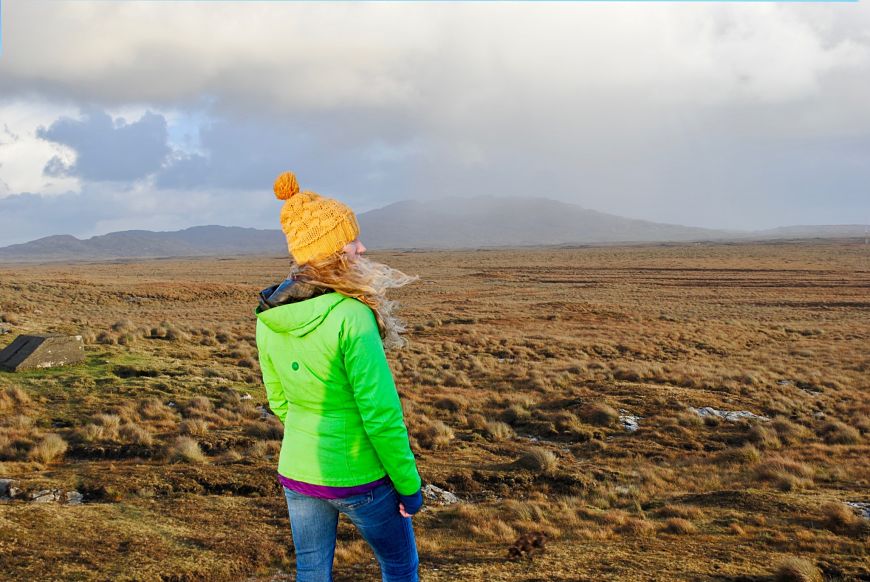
column 435, row 435
column 51, row 448
column 796, row 569
column 599, row 414
column 679, row 526
column 185, row 450
column 537, row 460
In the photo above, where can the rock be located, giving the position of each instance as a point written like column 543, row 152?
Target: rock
column 629, row 421
column 74, row 498
column 862, row 507
column 5, row 487
column 3, row 330
column 29, row 352
column 441, row 496
column 729, row 415
column 783, row 382
column 45, row 496
column 246, row 396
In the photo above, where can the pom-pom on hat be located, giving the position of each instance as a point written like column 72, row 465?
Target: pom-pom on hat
column 315, row 226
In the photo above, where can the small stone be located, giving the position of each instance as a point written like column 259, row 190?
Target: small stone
column 442, row 496
column 74, row 498
column 5, row 487
column 630, row 422
column 729, row 415
column 783, row 382
column 246, row 396
column 862, row 507
column 45, row 496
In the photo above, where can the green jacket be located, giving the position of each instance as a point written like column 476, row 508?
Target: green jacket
column 328, row 380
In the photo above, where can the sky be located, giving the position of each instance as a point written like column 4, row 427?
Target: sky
column 165, row 115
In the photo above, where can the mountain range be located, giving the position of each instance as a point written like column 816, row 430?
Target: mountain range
column 447, row 223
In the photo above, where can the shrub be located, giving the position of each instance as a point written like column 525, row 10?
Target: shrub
column 599, row 414
column 476, row 421
column 839, row 518
column 838, row 433
column 51, row 447
column 788, row 431
column 738, row 455
column 123, row 325
column 451, row 403
column 763, row 437
column 537, row 460
column 135, row 434
column 199, row 404
column 186, row 450
column 797, row 570
column 13, row 397
column 679, row 526
column 499, row 431
column 269, row 429
column 89, row 433
column 194, row 427
column 515, row 413
column 154, row 409
column 636, row 527
column 435, row 435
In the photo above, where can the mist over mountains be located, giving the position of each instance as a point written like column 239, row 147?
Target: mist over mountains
column 447, row 223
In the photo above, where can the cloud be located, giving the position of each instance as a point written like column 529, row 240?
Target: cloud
column 708, row 114
column 108, row 149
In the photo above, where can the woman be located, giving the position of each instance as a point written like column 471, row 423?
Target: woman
column 321, row 335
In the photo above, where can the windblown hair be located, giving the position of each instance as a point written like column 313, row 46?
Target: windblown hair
column 365, row 280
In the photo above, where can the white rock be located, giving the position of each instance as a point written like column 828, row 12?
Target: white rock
column 862, row 507
column 246, row 396
column 45, row 496
column 5, row 486
column 74, row 498
column 729, row 415
column 435, row 493
column 629, row 421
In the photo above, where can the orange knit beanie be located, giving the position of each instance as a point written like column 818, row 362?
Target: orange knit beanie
column 315, row 226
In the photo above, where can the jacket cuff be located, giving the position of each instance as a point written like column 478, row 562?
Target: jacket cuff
column 412, row 503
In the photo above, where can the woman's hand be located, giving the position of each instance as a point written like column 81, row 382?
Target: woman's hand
column 413, row 502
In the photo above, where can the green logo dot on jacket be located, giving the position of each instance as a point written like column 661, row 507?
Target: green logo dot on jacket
column 328, row 380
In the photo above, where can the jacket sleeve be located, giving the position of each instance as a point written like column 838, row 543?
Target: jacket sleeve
column 377, row 399
column 274, row 389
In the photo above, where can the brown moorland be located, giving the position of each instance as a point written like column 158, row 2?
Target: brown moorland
column 524, row 371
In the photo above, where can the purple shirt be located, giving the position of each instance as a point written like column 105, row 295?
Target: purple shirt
column 327, row 492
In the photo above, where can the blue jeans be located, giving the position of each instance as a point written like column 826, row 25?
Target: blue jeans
column 314, row 524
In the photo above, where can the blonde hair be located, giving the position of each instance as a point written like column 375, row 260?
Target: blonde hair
column 362, row 279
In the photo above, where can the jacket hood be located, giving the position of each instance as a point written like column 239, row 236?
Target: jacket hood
column 301, row 317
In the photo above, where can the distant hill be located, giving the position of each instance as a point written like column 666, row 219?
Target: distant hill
column 447, row 223
column 196, row 241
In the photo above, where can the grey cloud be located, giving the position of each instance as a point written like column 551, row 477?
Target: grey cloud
column 107, row 149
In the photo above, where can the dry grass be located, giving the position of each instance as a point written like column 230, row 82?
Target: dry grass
column 51, row 448
column 506, row 345
column 185, row 450
column 537, row 460
column 797, row 570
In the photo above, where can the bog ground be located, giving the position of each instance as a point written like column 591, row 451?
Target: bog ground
column 670, row 412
